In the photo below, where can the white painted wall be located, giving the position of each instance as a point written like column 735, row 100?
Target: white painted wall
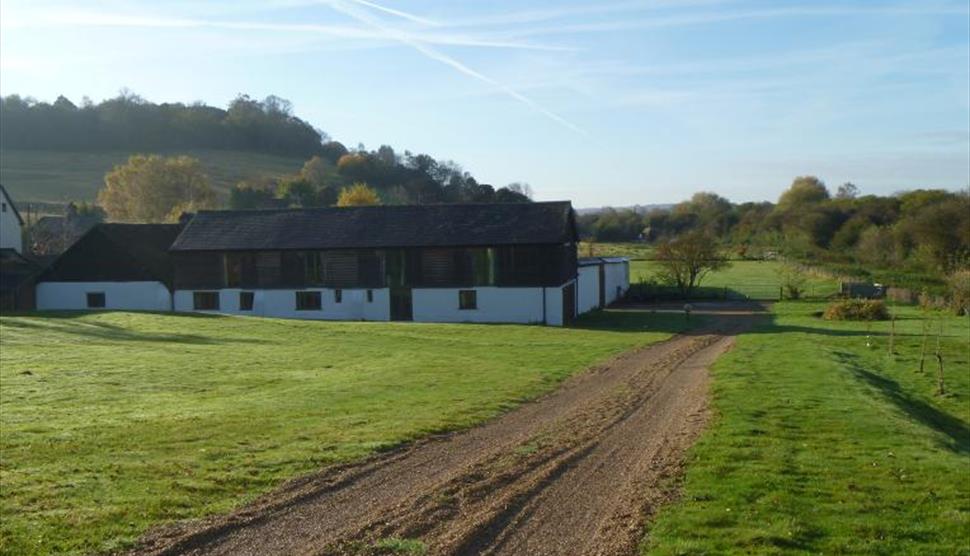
column 10, row 237
column 617, row 280
column 514, row 305
column 589, row 288
column 518, row 305
column 282, row 304
column 121, row 296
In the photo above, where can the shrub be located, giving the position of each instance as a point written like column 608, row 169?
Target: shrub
column 958, row 291
column 856, row 309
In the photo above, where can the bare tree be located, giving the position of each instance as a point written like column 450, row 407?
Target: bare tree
column 687, row 259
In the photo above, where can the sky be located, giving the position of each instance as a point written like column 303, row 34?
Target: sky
column 602, row 102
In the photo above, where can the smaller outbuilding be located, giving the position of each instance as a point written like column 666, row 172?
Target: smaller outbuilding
column 602, row 281
column 112, row 266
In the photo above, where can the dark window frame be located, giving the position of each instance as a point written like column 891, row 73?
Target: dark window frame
column 93, row 295
column 370, row 296
column 308, row 301
column 250, row 301
column 200, row 298
column 467, row 300
column 338, row 295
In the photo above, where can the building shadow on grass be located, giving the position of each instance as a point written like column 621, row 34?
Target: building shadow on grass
column 66, row 323
column 955, row 429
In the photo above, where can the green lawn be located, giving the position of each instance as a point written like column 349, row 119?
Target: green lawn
column 58, row 176
column 112, row 422
column 824, row 446
column 757, row 279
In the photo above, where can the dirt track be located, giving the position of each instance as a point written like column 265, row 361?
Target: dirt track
column 578, row 471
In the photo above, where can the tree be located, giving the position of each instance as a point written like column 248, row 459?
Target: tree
column 804, row 190
column 847, row 190
column 687, row 259
column 358, row 195
column 151, row 188
column 298, row 191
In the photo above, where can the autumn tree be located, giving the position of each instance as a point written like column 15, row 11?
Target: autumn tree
column 155, row 189
column 687, row 259
column 358, row 195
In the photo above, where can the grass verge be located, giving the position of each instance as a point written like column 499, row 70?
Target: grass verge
column 824, row 445
column 113, row 422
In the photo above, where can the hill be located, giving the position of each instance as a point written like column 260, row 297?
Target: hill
column 62, row 176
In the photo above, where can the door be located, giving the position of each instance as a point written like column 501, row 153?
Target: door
column 401, row 308
column 568, row 304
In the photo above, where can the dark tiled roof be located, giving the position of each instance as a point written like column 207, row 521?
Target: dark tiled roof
column 380, row 226
column 117, row 253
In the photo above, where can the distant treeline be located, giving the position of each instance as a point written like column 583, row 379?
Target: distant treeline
column 130, row 123
column 924, row 231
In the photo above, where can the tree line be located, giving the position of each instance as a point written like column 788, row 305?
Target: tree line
column 396, row 179
column 129, row 122
column 924, row 231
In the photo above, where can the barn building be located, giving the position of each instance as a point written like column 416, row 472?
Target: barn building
column 489, row 263
column 112, row 266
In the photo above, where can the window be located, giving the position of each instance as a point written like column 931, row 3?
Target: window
column 4, row 207
column 308, row 301
column 338, row 296
column 370, row 296
column 246, row 301
column 467, row 299
column 205, row 301
column 95, row 300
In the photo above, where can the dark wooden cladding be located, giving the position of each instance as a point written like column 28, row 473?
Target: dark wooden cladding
column 518, row 265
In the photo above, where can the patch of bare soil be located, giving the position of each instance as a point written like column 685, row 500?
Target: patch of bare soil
column 579, row 471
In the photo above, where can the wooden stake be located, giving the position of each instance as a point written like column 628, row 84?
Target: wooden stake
column 892, row 335
column 939, row 359
column 922, row 349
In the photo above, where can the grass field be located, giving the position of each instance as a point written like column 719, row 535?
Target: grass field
column 112, row 422
column 758, row 279
column 58, row 177
column 824, row 446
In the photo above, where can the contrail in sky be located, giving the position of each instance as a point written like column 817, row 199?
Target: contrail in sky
column 437, row 56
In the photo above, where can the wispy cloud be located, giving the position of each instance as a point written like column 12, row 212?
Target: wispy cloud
column 722, row 16
column 398, row 13
column 449, row 61
column 74, row 18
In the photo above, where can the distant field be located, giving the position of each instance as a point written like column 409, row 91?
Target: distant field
column 59, row 177
column 625, row 249
column 821, row 445
column 754, row 278
column 113, row 422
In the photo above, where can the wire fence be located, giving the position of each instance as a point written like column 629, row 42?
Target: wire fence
column 736, row 292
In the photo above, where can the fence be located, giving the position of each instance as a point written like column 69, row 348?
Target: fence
column 739, row 292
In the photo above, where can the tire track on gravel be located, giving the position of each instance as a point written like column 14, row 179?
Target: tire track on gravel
column 578, row 471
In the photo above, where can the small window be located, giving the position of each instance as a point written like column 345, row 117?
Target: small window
column 4, row 207
column 95, row 299
column 205, row 301
column 338, row 296
column 467, row 299
column 308, row 301
column 245, row 301
column 370, row 296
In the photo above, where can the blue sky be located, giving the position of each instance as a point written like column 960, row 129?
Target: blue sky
column 603, row 102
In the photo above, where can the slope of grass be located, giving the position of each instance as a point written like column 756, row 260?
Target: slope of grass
column 112, row 422
column 822, row 445
column 59, row 176
column 758, row 279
